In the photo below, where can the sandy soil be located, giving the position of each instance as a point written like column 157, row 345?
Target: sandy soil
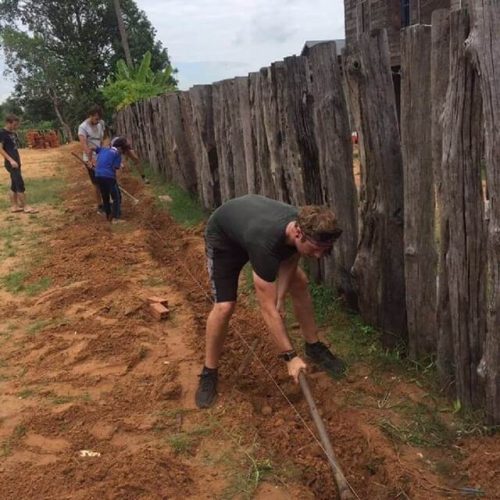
column 83, row 366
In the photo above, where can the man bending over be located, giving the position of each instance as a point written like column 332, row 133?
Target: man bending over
column 272, row 236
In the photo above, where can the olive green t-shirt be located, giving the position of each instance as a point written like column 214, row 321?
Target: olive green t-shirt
column 254, row 225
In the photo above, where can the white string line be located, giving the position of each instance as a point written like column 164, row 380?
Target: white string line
column 242, row 338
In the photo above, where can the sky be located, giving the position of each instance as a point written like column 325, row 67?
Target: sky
column 210, row 40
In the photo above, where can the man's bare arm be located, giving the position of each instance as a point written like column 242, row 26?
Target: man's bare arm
column 266, row 295
column 85, row 146
column 11, row 160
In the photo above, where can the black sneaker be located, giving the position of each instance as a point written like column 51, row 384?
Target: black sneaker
column 207, row 389
column 325, row 359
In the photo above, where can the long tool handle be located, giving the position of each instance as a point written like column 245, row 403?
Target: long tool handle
column 343, row 487
column 126, row 193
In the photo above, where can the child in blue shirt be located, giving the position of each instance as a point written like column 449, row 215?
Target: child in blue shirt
column 108, row 162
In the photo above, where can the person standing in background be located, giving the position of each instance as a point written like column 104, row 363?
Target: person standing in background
column 9, row 149
column 91, row 136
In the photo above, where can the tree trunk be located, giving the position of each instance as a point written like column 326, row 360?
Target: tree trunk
column 378, row 271
column 462, row 192
column 484, row 43
column 123, row 33
column 64, row 124
column 416, row 145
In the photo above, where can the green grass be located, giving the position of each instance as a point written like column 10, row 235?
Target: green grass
column 6, row 447
column 15, row 282
column 420, row 426
column 184, row 443
column 11, row 235
column 45, row 190
column 42, row 324
column 184, row 207
column 325, row 302
column 245, row 464
column 60, row 399
column 26, row 393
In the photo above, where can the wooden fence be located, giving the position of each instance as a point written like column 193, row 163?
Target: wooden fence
column 418, row 254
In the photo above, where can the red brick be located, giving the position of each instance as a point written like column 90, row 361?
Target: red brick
column 158, row 311
column 158, row 300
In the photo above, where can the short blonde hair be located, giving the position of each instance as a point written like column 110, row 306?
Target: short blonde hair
column 318, row 222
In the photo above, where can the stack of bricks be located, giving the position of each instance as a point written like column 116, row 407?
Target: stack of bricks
column 42, row 140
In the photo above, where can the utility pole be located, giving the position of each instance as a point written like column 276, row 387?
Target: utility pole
column 123, row 33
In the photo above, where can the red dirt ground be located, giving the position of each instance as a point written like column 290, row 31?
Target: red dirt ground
column 85, row 367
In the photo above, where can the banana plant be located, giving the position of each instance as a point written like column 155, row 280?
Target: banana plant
column 129, row 85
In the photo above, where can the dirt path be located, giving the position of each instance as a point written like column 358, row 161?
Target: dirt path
column 84, row 369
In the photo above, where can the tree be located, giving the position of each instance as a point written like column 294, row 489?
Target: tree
column 9, row 106
column 64, row 52
column 37, row 72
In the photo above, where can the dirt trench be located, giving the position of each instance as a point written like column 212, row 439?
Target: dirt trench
column 97, row 398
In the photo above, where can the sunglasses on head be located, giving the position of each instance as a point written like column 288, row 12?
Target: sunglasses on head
column 324, row 239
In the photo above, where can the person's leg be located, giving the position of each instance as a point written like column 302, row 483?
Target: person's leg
column 304, row 313
column 14, row 206
column 14, row 203
column 105, row 190
column 223, row 268
column 20, row 192
column 217, row 323
column 117, row 201
column 97, row 190
column 98, row 197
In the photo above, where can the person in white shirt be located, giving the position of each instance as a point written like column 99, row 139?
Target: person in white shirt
column 91, row 136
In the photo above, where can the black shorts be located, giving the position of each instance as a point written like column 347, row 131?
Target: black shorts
column 91, row 172
column 16, row 179
column 224, row 267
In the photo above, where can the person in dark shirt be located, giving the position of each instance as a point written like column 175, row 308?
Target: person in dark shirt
column 272, row 236
column 9, row 149
column 108, row 162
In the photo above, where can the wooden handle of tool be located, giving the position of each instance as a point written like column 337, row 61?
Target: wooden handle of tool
column 343, row 487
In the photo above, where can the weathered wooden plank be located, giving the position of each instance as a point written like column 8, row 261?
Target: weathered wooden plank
column 222, row 128
column 205, row 150
column 378, row 270
column 419, row 231
column 166, row 168
column 462, row 190
column 271, row 80
column 188, row 160
column 263, row 179
column 484, row 43
column 301, row 152
column 245, row 118
column 440, row 75
column 179, row 149
column 333, row 138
